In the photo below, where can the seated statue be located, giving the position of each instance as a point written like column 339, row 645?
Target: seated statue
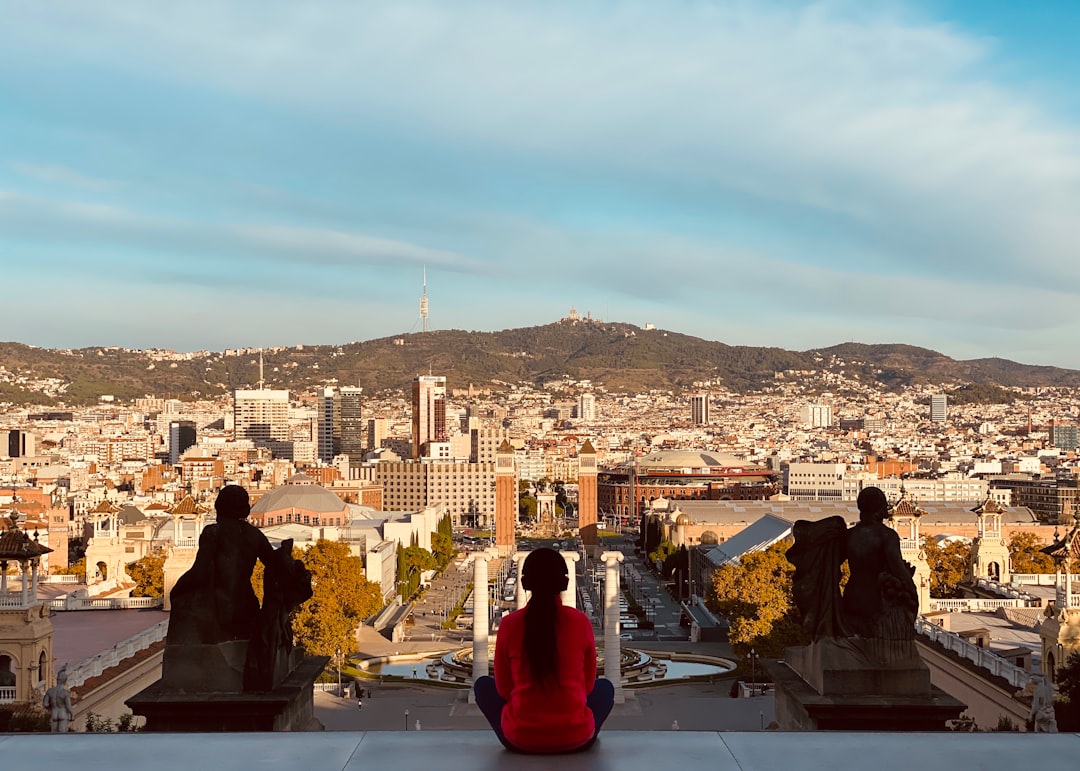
column 880, row 600
column 214, row 604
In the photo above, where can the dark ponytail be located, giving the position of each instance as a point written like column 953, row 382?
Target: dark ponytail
column 544, row 574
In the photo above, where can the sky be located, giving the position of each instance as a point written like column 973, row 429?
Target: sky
column 205, row 175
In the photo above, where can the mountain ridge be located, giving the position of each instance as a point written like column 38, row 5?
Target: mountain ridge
column 617, row 355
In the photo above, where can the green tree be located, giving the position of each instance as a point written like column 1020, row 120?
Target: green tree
column 442, row 547
column 1026, row 556
column 1068, row 683
column 342, row 598
column 663, row 550
column 755, row 597
column 527, row 507
column 148, row 574
column 412, row 561
column 949, row 565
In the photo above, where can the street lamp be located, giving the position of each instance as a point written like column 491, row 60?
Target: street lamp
column 753, row 671
column 337, row 660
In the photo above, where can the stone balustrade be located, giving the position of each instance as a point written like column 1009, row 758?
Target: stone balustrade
column 1008, row 590
column 1035, row 579
column 16, row 601
column 7, row 694
column 72, row 602
column 97, row 664
column 982, row 657
column 63, row 579
column 976, row 605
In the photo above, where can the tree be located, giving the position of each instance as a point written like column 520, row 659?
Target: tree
column 442, row 542
column 76, row 568
column 148, row 574
column 663, row 550
column 342, row 598
column 755, row 597
column 1026, row 556
column 527, row 507
column 412, row 561
column 949, row 565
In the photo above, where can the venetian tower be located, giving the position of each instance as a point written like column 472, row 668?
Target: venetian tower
column 587, row 513
column 1060, row 629
column 904, row 519
column 505, row 499
column 989, row 553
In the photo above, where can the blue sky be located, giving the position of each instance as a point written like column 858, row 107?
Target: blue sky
column 217, row 174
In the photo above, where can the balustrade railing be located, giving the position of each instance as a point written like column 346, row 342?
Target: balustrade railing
column 70, row 602
column 1036, row 579
column 975, row 605
column 16, row 601
column 982, row 657
column 1008, row 590
column 63, row 579
column 95, row 665
column 7, row 694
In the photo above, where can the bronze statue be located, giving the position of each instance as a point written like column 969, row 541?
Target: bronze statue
column 214, row 604
column 880, row 600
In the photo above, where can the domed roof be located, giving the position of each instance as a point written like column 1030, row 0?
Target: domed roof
column 682, row 520
column 306, row 496
column 676, row 459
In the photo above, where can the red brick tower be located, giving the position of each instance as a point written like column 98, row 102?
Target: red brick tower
column 587, row 513
column 505, row 499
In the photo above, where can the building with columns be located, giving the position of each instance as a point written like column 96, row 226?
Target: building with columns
column 26, row 632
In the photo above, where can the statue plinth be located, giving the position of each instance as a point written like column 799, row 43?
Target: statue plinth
column 287, row 707
column 855, row 684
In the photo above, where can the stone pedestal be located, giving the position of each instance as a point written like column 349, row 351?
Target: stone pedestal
column 288, row 707
column 859, row 685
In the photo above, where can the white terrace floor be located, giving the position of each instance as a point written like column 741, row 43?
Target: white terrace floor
column 478, row 751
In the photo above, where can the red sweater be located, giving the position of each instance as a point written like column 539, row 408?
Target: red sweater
column 550, row 720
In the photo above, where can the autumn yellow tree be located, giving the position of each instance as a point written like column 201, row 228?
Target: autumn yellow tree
column 949, row 564
column 342, row 598
column 148, row 574
column 1026, row 556
column 755, row 597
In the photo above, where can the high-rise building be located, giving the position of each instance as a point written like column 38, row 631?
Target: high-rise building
column 342, row 429
column 262, row 415
column 327, row 426
column 182, row 435
column 816, row 416
column 699, row 409
column 1064, row 437
column 17, row 444
column 586, row 407
column 377, row 430
column 428, row 412
column 353, row 428
column 938, row 407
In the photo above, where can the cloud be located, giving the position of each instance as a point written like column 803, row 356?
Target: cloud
column 881, row 124
column 66, row 177
column 96, row 226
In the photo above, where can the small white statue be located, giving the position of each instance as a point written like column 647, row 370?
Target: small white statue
column 1042, row 707
column 57, row 701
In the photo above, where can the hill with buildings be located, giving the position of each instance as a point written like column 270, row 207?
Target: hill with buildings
column 616, row 356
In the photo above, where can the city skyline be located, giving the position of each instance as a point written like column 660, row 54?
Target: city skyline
column 785, row 174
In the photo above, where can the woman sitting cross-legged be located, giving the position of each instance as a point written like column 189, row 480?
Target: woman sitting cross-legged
column 545, row 696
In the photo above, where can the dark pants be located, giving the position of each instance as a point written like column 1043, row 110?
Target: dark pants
column 599, row 702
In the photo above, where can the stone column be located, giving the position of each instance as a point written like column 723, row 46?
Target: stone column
column 480, row 613
column 519, row 597
column 25, row 583
column 34, row 582
column 569, row 597
column 3, row 577
column 611, row 621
